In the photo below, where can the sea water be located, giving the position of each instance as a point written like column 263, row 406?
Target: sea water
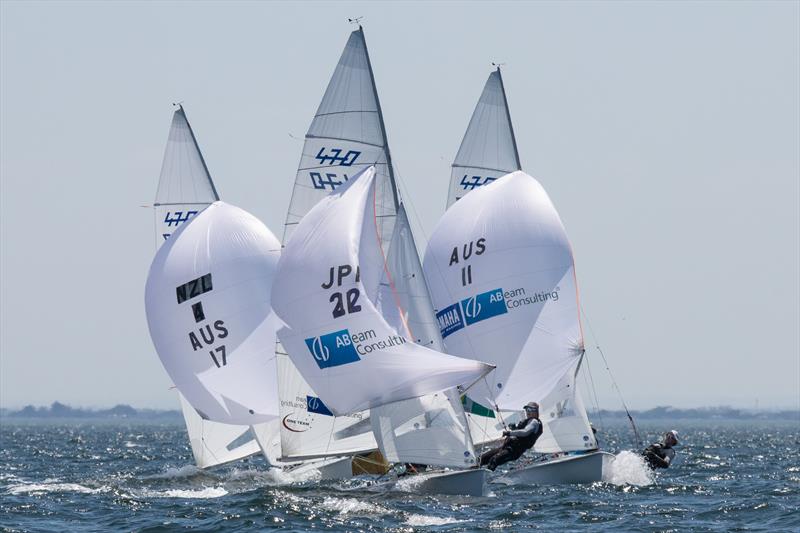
column 114, row 476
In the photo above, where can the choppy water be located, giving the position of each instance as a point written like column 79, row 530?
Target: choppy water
column 116, row 476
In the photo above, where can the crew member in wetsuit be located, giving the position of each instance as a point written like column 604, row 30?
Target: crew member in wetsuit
column 519, row 438
column 661, row 454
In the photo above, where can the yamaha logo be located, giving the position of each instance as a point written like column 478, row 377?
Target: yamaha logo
column 473, row 308
column 320, row 351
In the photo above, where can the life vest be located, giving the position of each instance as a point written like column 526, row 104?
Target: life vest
column 526, row 443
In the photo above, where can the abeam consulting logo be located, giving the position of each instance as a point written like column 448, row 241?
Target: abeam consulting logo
column 483, row 306
column 333, row 349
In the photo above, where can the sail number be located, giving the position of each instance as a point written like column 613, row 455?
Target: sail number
column 471, row 182
column 332, row 157
column 344, row 302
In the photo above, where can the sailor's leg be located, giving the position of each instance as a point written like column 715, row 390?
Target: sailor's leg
column 487, row 456
column 503, row 456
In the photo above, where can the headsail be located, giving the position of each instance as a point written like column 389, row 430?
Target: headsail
column 430, row 430
column 185, row 188
column 326, row 289
column 489, row 148
column 346, row 136
column 501, row 274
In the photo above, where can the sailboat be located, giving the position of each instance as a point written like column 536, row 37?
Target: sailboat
column 335, row 297
column 501, row 273
column 346, row 136
column 185, row 188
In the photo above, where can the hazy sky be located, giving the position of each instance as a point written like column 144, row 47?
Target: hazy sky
column 667, row 135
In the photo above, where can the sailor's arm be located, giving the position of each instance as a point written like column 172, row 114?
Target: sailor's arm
column 527, row 431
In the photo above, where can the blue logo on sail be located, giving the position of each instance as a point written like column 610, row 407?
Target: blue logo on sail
column 315, row 405
column 450, row 319
column 483, row 306
column 333, row 349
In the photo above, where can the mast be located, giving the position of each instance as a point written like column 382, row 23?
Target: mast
column 380, row 118
column 508, row 114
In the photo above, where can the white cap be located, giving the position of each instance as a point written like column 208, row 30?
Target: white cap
column 673, row 433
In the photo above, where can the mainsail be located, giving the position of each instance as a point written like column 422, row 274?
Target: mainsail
column 185, row 188
column 345, row 137
column 502, row 277
column 489, row 148
column 326, row 293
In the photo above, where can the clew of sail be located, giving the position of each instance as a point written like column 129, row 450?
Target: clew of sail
column 489, row 148
column 185, row 188
column 345, row 137
column 501, row 274
column 325, row 292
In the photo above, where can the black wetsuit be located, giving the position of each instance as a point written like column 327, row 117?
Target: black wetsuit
column 658, row 455
column 521, row 439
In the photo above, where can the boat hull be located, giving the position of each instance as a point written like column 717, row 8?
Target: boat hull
column 585, row 468
column 461, row 482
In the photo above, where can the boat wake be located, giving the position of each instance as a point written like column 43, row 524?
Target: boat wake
column 628, row 468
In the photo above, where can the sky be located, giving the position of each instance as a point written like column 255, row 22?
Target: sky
column 667, row 135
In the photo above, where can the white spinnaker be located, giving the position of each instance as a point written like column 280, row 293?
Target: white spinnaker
column 208, row 309
column 566, row 426
column 346, row 136
column 432, row 429
column 325, row 291
column 501, row 274
column 489, row 149
column 185, row 188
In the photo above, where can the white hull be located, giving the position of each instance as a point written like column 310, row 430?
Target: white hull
column 336, row 468
column 585, row 468
column 459, row 482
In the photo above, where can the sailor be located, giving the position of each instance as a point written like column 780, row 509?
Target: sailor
column 519, row 438
column 661, row 454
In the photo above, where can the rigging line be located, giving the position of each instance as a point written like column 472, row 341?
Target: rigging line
column 613, row 381
column 406, row 200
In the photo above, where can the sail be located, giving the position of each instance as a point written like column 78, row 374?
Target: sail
column 207, row 299
column 489, row 148
column 563, row 415
column 346, row 136
column 308, row 428
column 214, row 444
column 184, row 190
column 501, row 274
column 432, row 429
column 185, row 187
column 325, row 292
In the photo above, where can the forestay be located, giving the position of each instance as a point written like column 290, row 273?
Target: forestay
column 501, row 275
column 208, row 309
column 185, row 188
column 489, row 148
column 325, row 292
column 431, row 430
column 346, row 136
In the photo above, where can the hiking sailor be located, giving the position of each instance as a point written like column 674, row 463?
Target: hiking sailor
column 661, row 454
column 518, row 439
